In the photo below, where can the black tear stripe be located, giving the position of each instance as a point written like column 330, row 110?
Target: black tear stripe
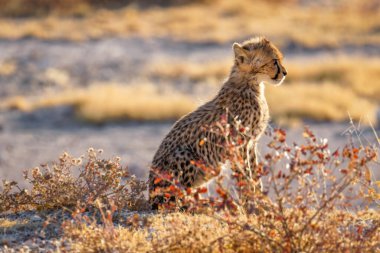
column 278, row 71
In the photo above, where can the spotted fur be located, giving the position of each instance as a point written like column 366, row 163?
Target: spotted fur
column 257, row 61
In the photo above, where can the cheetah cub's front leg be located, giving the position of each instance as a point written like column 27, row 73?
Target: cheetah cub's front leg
column 179, row 168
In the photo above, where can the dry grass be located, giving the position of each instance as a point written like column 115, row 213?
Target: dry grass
column 198, row 233
column 210, row 72
column 313, row 208
column 8, row 224
column 7, row 68
column 108, row 102
column 313, row 85
column 361, row 75
column 327, row 89
column 321, row 102
column 192, row 235
column 355, row 22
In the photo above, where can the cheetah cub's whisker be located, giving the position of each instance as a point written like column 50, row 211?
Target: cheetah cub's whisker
column 256, row 62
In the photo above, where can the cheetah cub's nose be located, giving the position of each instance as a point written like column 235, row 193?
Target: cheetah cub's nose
column 284, row 72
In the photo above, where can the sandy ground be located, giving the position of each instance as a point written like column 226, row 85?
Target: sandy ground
column 30, row 139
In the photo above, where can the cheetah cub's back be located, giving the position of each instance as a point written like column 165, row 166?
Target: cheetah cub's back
column 256, row 62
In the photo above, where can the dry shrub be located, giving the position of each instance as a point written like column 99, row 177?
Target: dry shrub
column 55, row 186
column 303, row 205
column 313, row 200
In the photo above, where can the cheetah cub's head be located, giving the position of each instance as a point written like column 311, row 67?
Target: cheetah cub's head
column 260, row 58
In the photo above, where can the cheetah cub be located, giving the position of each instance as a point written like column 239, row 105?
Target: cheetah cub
column 257, row 62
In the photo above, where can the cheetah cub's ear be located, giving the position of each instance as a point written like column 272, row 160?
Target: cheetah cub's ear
column 240, row 54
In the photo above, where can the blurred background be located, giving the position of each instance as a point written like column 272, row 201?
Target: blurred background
column 116, row 74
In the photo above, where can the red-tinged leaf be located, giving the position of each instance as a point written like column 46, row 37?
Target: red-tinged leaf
column 157, row 180
column 282, row 138
column 221, row 192
column 272, row 233
column 167, row 195
column 192, row 162
column 279, row 218
column 320, row 155
column 109, row 216
column 240, row 141
column 343, row 171
column 359, row 229
column 202, row 190
column 336, row 153
column 172, row 188
column 242, row 130
column 308, row 170
column 241, row 183
column 281, row 132
column 188, row 191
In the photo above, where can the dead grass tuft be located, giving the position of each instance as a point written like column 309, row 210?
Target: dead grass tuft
column 210, row 72
column 354, row 22
column 361, row 75
column 7, row 68
column 109, row 102
column 319, row 102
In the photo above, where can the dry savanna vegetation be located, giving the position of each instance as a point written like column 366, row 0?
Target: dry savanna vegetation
column 287, row 21
column 329, row 89
column 313, row 200
column 111, row 102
